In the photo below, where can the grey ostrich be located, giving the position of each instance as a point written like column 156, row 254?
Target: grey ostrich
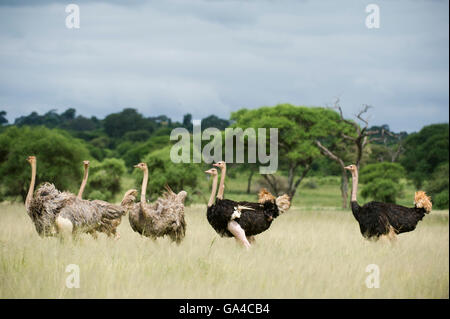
column 163, row 217
column 108, row 225
column 56, row 213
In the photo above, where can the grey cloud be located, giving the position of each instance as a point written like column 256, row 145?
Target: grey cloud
column 205, row 57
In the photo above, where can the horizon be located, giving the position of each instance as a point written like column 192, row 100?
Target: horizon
column 216, row 57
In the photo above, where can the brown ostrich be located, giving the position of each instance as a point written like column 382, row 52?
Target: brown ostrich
column 108, row 226
column 56, row 213
column 163, row 217
column 387, row 220
column 242, row 220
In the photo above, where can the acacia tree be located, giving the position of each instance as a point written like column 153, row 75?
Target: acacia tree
column 348, row 141
column 298, row 128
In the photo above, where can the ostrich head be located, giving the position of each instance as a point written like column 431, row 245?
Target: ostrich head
column 352, row 168
column 211, row 171
column 86, row 163
column 220, row 164
column 141, row 166
column 31, row 159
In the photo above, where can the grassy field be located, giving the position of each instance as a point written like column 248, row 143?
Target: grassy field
column 307, row 253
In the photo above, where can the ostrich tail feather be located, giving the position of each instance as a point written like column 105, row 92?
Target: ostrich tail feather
column 421, row 200
column 283, row 203
column 265, row 196
column 129, row 197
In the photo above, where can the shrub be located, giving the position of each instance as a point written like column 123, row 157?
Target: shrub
column 382, row 181
column 162, row 172
column 105, row 179
column 437, row 186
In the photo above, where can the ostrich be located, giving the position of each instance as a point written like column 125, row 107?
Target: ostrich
column 163, row 217
column 243, row 220
column 108, row 226
column 61, row 213
column 387, row 220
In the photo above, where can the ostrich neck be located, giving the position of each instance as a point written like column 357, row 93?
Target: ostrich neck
column 213, row 192
column 144, row 188
column 31, row 189
column 354, row 185
column 222, row 183
column 83, row 184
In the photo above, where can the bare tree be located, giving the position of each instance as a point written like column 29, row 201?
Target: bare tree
column 360, row 139
column 394, row 152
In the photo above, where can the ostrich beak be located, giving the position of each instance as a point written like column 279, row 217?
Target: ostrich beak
column 348, row 167
column 136, row 166
column 216, row 165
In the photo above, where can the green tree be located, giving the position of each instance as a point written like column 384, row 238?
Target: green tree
column 425, row 151
column 3, row 119
column 59, row 159
column 162, row 172
column 382, row 181
column 437, row 186
column 298, row 129
column 214, row 121
column 117, row 124
column 105, row 179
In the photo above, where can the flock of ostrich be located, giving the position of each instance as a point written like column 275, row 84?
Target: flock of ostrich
column 62, row 214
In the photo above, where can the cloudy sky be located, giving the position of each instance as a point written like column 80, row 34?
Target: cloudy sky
column 213, row 57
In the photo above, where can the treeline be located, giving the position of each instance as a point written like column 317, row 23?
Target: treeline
column 313, row 142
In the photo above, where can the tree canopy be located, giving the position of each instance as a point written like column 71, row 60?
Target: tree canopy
column 382, row 181
column 59, row 159
column 425, row 151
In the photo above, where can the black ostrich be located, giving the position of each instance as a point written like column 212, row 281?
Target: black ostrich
column 242, row 220
column 378, row 219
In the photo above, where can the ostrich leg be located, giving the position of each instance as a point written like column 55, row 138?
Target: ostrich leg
column 64, row 227
column 251, row 239
column 238, row 233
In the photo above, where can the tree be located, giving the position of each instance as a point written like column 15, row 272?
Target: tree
column 298, row 128
column 3, row 119
column 425, row 151
column 338, row 146
column 105, row 179
column 59, row 159
column 214, row 121
column 117, row 124
column 162, row 172
column 187, row 121
column 437, row 186
column 382, row 181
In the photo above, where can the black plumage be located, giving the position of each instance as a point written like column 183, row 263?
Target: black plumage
column 253, row 221
column 378, row 219
column 246, row 219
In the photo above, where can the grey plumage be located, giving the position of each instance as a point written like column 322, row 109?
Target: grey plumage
column 48, row 203
column 163, row 217
column 53, row 212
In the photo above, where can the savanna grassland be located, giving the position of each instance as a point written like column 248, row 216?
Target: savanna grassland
column 315, row 250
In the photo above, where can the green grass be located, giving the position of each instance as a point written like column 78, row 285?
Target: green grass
column 307, row 253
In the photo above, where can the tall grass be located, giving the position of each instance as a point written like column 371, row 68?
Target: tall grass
column 307, row 253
